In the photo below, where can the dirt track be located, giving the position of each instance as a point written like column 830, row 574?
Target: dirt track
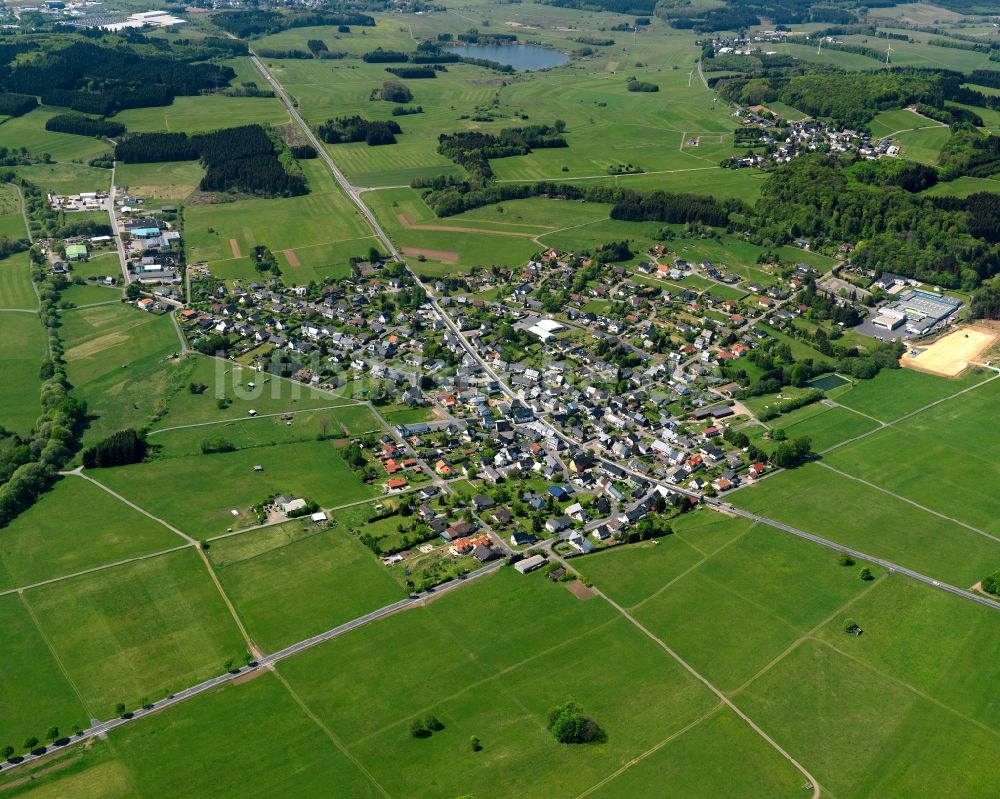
column 435, row 255
column 234, row 245
column 292, row 258
column 406, row 222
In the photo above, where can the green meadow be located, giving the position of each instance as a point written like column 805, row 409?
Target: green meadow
column 15, row 281
column 24, row 347
column 137, row 631
column 73, row 527
column 199, row 493
column 294, row 580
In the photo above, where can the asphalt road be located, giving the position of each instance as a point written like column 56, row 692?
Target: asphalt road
column 267, row 661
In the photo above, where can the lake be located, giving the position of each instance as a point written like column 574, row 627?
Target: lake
column 523, row 57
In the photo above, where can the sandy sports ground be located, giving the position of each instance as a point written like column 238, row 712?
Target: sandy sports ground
column 952, row 354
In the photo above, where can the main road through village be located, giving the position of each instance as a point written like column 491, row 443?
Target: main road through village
column 270, row 660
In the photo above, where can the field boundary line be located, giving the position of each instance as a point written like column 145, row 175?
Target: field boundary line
column 903, row 684
column 909, row 501
column 347, row 404
column 55, row 655
column 92, row 569
column 722, row 696
column 911, row 414
column 79, row 473
column 571, row 227
column 252, row 648
column 691, row 568
column 859, row 413
column 605, row 176
column 651, row 751
column 333, row 738
column 488, row 678
column 808, row 634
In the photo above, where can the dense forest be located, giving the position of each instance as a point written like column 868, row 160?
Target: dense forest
column 102, row 78
column 342, row 130
column 84, row 126
column 242, row 159
column 16, row 105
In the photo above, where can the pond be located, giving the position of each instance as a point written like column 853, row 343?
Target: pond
column 827, row 382
column 523, row 57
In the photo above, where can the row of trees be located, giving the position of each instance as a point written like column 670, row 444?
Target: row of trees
column 257, row 21
column 16, row 105
column 472, row 149
column 84, row 126
column 56, row 433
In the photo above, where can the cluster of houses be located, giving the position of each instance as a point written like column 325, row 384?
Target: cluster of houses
column 771, row 143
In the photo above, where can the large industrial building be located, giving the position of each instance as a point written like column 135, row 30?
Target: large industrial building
column 921, row 311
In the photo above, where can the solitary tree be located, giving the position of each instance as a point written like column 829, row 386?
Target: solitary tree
column 52, row 734
column 866, row 573
column 120, row 709
column 845, row 560
column 7, row 752
column 475, row 744
column 30, row 743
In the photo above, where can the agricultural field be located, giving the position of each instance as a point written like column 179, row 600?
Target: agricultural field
column 11, row 221
column 293, row 580
column 29, row 131
column 943, row 471
column 16, row 292
column 73, row 527
column 199, row 493
column 120, row 360
column 863, row 517
column 171, row 180
column 24, row 347
column 144, row 629
column 322, row 229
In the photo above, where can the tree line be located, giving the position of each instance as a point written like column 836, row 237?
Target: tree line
column 16, row 105
column 119, row 449
column 82, row 125
column 473, row 149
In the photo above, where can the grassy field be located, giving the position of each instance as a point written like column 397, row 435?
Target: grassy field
column 339, row 421
column 15, row 281
column 75, row 526
column 897, row 392
column 66, row 177
column 481, row 676
column 294, row 580
column 865, row 734
column 34, row 694
column 632, row 574
column 923, row 145
column 939, row 458
column 963, row 187
column 140, row 630
column 172, row 180
column 754, row 598
column 229, row 382
column 29, row 131
column 24, row 346
column 205, row 112
column 198, row 493
column 120, row 361
column 825, row 426
column 322, row 226
column 871, row 521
